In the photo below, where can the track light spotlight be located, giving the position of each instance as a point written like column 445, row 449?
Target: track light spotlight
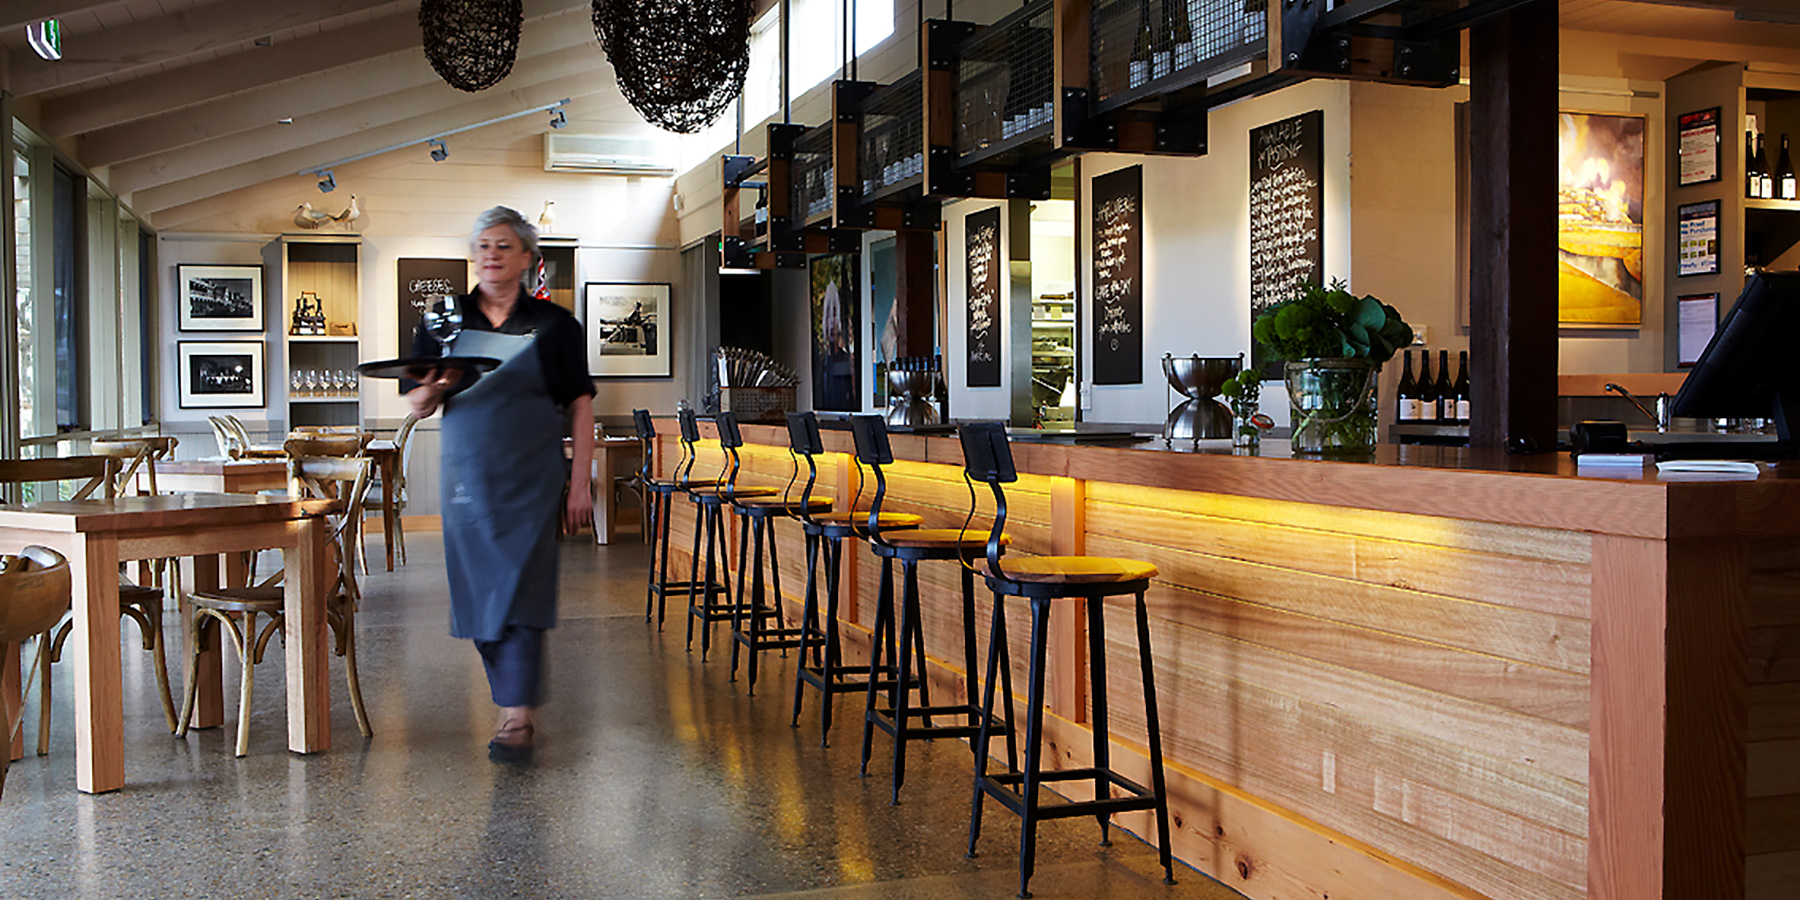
column 558, row 118
column 328, row 183
column 439, row 150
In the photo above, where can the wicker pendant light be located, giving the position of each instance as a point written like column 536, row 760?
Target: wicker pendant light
column 679, row 63
column 471, row 43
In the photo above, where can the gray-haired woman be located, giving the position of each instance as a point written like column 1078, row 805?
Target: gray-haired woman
column 503, row 471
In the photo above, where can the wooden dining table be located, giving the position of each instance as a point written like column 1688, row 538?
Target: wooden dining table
column 216, row 476
column 97, row 535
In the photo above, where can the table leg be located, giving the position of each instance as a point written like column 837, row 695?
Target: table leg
column 12, row 695
column 388, row 465
column 303, row 598
column 99, row 704
column 604, row 501
column 209, row 694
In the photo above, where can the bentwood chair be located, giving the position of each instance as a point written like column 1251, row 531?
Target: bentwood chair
column 1046, row 582
column 235, row 610
column 401, row 447
column 35, row 591
column 90, row 475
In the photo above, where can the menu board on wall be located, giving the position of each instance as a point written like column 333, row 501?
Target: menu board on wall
column 1118, row 277
column 981, row 237
column 1287, row 202
column 419, row 279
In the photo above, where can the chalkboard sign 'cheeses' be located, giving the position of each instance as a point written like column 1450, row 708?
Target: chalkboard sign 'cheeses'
column 419, row 279
column 1287, row 227
column 1118, row 277
column 982, row 238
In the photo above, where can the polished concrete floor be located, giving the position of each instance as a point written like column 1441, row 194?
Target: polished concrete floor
column 655, row 777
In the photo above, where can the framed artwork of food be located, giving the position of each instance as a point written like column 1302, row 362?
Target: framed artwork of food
column 1600, row 221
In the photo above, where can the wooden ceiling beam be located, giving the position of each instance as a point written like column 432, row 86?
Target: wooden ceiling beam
column 331, row 125
column 24, row 12
column 312, row 95
column 491, row 104
column 109, row 105
column 192, row 31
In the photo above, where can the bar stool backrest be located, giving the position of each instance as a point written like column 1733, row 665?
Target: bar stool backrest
column 804, row 440
column 987, row 457
column 646, row 435
column 730, row 439
column 874, row 451
column 689, row 429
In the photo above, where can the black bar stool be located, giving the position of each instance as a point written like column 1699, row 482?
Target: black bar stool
column 1043, row 580
column 825, row 534
column 749, row 627
column 659, row 499
column 904, row 646
column 710, row 501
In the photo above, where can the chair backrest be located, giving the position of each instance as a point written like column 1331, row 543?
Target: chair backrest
column 987, row 457
column 403, row 452
column 35, row 590
column 238, row 430
column 338, row 477
column 690, row 434
column 133, row 454
column 93, row 471
column 805, row 440
column 226, row 438
column 646, row 435
column 325, row 445
column 730, row 439
column 873, row 450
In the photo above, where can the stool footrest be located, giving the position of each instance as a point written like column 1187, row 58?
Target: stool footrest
column 884, row 719
column 769, row 638
column 1005, row 788
column 845, row 684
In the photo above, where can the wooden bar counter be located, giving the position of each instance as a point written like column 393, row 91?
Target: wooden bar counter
column 1440, row 674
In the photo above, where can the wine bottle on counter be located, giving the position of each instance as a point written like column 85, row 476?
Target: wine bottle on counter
column 1445, row 391
column 1428, row 397
column 1462, row 388
column 1784, row 173
column 1752, row 178
column 1406, row 402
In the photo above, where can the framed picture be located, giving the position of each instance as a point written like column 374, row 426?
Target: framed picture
column 625, row 333
column 837, row 360
column 1697, row 148
column 1600, row 220
column 1697, row 319
column 1698, row 241
column 221, row 298
column 221, row 374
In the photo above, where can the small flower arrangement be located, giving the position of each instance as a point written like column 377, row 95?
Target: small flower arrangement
column 1330, row 322
column 1243, row 393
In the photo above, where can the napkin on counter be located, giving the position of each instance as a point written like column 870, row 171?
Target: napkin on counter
column 1710, row 466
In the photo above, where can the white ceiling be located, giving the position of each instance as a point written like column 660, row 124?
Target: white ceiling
column 174, row 102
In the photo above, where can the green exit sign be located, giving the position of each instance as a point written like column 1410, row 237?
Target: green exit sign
column 46, row 38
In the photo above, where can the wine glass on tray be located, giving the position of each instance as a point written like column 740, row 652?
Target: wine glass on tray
column 443, row 319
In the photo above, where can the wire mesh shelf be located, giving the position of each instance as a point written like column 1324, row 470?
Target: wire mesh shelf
column 812, row 174
column 1140, row 46
column 1005, row 79
column 892, row 148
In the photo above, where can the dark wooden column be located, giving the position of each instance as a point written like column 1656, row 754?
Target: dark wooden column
column 1512, row 229
column 915, row 292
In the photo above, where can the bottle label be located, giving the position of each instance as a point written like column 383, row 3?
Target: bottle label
column 1787, row 187
column 1409, row 409
column 1462, row 410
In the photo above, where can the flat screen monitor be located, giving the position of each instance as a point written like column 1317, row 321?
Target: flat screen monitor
column 1751, row 367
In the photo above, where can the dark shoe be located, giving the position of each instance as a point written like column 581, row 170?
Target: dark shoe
column 512, row 744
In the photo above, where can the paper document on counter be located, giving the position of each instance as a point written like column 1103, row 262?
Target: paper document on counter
column 1709, row 466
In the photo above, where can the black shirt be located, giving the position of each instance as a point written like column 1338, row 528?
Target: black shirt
column 561, row 344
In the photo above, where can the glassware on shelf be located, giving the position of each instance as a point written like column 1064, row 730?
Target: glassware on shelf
column 296, row 383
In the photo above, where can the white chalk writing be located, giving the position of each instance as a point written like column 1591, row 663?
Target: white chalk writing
column 1113, row 287
column 982, row 244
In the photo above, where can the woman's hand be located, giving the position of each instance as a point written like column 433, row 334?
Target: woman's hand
column 580, row 510
column 433, row 384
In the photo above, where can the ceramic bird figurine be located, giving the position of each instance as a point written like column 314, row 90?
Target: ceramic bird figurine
column 349, row 216
column 547, row 219
column 307, row 217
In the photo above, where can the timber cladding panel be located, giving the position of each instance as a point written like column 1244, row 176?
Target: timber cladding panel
column 1772, row 832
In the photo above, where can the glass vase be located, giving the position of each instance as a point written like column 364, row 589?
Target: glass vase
column 1334, row 406
column 1244, row 432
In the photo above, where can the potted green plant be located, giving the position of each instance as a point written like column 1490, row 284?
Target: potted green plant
column 1332, row 344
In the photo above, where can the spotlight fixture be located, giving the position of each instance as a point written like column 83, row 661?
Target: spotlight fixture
column 439, row 150
column 328, row 183
column 558, row 118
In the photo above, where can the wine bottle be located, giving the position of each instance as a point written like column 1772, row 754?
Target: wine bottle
column 1765, row 185
column 1462, row 388
column 1784, row 173
column 1406, row 401
column 1446, row 393
column 1142, row 49
column 1181, row 37
column 1427, row 393
column 1752, row 179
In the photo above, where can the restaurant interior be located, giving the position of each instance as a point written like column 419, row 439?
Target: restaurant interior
column 1510, row 617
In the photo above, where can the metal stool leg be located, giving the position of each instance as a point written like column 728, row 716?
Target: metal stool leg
column 1034, row 734
column 809, row 627
column 665, row 509
column 996, row 645
column 1154, row 729
column 1096, row 622
column 882, row 637
column 651, row 588
column 695, row 588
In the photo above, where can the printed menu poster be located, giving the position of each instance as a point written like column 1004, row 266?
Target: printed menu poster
column 981, row 238
column 1118, row 277
column 1698, row 246
column 1287, row 227
column 419, row 279
column 1699, row 146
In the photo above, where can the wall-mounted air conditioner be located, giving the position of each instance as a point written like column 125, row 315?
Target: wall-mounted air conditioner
column 605, row 155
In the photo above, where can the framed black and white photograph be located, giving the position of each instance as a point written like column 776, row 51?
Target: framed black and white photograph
column 220, row 298
column 627, row 334
column 221, row 374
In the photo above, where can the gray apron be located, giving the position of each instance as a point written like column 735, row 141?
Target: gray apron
column 502, row 486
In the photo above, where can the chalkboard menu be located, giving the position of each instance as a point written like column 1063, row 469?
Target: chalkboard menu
column 419, row 279
column 981, row 234
column 1287, row 202
column 1118, row 277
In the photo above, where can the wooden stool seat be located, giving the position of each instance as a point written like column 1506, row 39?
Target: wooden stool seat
column 860, row 519
column 722, row 495
column 1072, row 570
column 942, row 539
column 783, row 505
